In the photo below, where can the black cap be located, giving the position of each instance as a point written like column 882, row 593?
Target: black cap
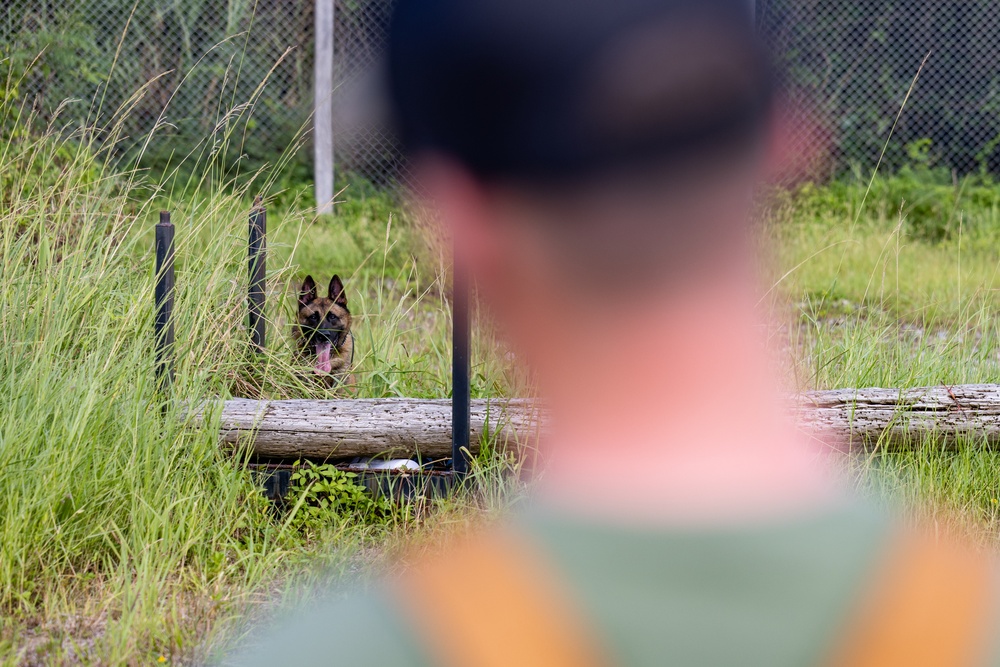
column 553, row 88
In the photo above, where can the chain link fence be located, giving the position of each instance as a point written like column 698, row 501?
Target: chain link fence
column 198, row 63
column 188, row 67
column 854, row 61
column 211, row 76
column 363, row 149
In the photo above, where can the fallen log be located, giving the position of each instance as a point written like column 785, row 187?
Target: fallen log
column 899, row 418
column 400, row 427
column 404, row 427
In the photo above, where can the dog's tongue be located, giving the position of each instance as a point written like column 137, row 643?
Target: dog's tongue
column 323, row 357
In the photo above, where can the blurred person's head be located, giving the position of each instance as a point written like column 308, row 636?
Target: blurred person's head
column 589, row 155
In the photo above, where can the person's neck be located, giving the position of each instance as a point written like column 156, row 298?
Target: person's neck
column 684, row 423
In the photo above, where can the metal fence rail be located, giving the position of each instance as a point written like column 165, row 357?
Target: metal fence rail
column 199, row 62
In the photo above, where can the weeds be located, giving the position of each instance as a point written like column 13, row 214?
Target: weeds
column 126, row 535
column 903, row 295
column 323, row 492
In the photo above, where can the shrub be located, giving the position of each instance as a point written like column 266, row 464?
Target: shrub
column 324, row 494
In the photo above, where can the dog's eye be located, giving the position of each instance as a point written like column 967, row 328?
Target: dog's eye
column 314, row 317
column 331, row 317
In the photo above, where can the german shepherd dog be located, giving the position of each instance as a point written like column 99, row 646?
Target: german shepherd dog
column 323, row 331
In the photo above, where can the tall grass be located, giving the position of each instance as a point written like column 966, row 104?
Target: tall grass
column 106, row 503
column 126, row 534
column 901, row 292
column 871, row 300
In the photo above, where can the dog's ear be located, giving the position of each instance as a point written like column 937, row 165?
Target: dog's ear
column 307, row 293
column 337, row 292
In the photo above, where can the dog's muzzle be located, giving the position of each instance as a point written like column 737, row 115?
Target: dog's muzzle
column 324, row 343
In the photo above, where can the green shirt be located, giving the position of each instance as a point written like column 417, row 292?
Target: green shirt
column 771, row 593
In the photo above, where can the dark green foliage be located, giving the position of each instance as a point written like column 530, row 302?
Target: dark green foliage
column 323, row 494
column 197, row 59
column 931, row 201
column 54, row 48
column 856, row 61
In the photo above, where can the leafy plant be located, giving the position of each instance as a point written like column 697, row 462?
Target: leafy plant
column 326, row 494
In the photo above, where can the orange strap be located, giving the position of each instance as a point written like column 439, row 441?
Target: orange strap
column 494, row 603
column 933, row 605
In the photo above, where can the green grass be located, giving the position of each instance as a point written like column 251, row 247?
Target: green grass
column 866, row 297
column 126, row 535
column 871, row 300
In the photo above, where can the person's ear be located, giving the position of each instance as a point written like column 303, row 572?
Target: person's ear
column 462, row 206
column 798, row 144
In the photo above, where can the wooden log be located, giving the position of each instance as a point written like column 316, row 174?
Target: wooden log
column 846, row 418
column 369, row 427
column 899, row 418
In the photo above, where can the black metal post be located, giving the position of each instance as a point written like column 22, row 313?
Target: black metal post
column 258, row 264
column 460, row 367
column 163, row 325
